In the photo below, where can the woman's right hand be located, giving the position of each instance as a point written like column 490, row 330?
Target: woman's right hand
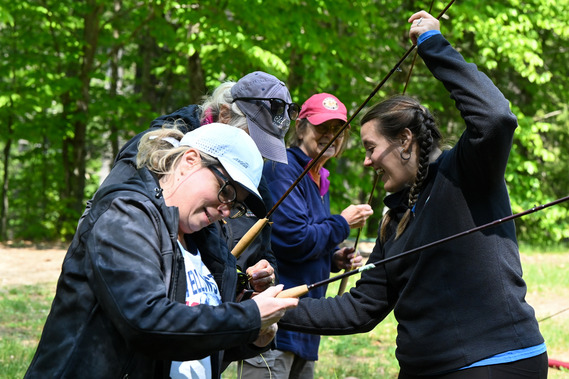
column 262, row 275
column 272, row 308
column 422, row 22
column 356, row 215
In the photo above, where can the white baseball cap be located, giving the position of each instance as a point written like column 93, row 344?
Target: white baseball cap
column 237, row 153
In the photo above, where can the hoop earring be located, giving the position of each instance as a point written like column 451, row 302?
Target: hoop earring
column 404, row 157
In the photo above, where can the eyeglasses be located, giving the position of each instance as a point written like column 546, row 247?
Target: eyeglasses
column 327, row 127
column 277, row 106
column 228, row 194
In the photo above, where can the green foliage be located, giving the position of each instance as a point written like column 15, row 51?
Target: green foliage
column 79, row 78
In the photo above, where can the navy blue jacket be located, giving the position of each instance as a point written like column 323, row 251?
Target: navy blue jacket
column 305, row 236
column 464, row 300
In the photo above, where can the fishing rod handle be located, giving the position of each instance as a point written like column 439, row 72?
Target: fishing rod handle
column 251, row 234
column 343, row 285
column 294, row 292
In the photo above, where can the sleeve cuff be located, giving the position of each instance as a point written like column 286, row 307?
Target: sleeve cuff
column 428, row 34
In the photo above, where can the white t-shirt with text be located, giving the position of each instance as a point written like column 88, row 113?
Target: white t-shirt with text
column 201, row 289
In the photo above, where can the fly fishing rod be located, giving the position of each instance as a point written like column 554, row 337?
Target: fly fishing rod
column 303, row 289
column 344, row 282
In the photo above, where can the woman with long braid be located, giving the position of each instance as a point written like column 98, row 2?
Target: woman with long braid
column 460, row 306
column 404, row 119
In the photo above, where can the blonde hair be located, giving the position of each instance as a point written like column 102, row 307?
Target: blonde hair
column 159, row 153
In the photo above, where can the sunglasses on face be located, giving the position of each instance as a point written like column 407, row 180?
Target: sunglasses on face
column 327, row 127
column 228, row 194
column 278, row 106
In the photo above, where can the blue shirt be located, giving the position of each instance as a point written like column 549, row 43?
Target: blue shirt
column 425, row 36
column 510, row 356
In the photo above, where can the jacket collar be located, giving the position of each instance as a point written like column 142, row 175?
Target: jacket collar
column 299, row 155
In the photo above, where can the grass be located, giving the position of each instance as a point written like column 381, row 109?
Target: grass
column 23, row 310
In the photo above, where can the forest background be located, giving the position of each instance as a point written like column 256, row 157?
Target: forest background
column 79, row 78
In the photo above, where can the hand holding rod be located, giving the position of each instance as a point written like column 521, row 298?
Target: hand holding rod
column 303, row 289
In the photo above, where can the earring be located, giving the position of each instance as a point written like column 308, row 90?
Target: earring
column 405, row 155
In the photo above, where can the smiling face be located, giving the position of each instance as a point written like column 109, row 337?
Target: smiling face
column 384, row 156
column 193, row 189
column 315, row 138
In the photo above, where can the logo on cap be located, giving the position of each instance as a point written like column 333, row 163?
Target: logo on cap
column 330, row 103
column 241, row 162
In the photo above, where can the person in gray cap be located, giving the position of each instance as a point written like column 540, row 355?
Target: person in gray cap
column 257, row 93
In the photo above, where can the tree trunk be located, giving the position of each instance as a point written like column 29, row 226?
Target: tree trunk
column 197, row 88
column 115, row 83
column 74, row 149
column 5, row 184
column 294, row 79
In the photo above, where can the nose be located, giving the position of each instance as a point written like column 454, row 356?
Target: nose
column 329, row 133
column 367, row 162
column 225, row 210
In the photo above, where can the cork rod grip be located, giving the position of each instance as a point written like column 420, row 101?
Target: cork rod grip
column 251, row 234
column 294, row 292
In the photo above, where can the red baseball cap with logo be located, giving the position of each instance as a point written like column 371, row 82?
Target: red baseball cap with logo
column 322, row 107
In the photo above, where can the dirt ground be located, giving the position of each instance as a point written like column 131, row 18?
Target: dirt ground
column 30, row 264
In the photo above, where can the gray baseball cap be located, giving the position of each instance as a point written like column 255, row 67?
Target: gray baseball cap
column 267, row 131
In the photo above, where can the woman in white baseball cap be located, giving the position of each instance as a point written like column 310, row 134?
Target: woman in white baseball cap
column 228, row 152
column 144, row 292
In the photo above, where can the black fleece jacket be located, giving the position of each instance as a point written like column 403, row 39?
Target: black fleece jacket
column 464, row 300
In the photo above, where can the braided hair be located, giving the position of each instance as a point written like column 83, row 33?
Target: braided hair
column 391, row 117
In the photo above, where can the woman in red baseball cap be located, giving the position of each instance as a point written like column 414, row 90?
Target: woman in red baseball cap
column 305, row 234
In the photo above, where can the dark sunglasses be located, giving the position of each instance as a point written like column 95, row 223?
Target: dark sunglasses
column 326, row 127
column 278, row 106
column 228, row 194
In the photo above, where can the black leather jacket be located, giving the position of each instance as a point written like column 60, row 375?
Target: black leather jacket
column 117, row 310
